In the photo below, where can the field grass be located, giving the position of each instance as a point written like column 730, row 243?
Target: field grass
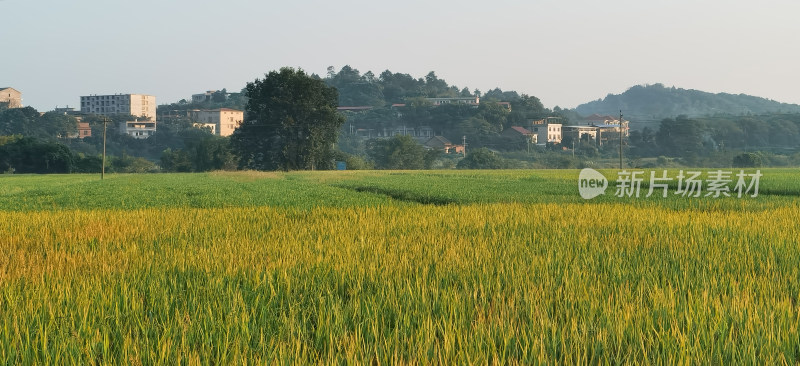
column 393, row 267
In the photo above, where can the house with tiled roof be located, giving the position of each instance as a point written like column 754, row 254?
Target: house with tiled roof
column 517, row 134
column 443, row 144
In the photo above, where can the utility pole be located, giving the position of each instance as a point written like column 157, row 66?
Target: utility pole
column 103, row 167
column 528, row 140
column 620, row 139
column 464, row 144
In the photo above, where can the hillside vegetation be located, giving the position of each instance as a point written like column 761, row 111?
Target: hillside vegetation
column 643, row 102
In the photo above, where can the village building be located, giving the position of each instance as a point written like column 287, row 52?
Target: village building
column 139, row 105
column 138, row 129
column 520, row 134
column 222, row 121
column 442, row 144
column 66, row 110
column 609, row 133
column 579, row 133
column 464, row 100
column 10, row 97
column 547, row 130
column 354, row 109
column 608, row 124
column 84, row 130
column 203, row 97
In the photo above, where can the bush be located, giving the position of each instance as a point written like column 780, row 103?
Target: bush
column 398, row 152
column 747, row 160
column 176, row 161
column 130, row 164
column 482, row 159
column 354, row 162
column 87, row 163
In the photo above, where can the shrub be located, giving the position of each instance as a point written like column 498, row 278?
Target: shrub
column 747, row 160
column 482, row 158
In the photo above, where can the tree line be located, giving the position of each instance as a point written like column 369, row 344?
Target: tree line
column 292, row 123
column 34, row 142
column 711, row 140
column 655, row 102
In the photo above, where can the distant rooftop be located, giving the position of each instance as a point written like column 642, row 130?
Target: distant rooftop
column 521, row 130
column 441, row 139
column 356, row 108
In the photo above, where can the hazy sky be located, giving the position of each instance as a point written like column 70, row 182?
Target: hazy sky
column 564, row 52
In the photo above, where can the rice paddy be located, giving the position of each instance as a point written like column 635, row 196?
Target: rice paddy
column 509, row 267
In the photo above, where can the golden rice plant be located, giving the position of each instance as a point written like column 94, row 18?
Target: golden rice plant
column 505, row 282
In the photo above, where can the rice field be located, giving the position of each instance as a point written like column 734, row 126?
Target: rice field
column 506, row 267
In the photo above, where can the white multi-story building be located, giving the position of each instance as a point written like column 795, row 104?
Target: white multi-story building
column 546, row 131
column 139, row 105
column 138, row 129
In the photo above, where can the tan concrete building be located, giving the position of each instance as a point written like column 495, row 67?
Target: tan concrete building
column 204, row 97
column 10, row 97
column 139, row 105
column 222, row 121
column 211, row 96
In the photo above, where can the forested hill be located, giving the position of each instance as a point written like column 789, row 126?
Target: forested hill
column 657, row 102
column 368, row 89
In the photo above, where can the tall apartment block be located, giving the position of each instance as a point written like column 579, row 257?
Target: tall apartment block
column 139, row 105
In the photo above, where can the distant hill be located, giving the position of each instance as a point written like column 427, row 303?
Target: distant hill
column 655, row 102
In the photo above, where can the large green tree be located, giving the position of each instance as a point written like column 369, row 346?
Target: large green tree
column 355, row 89
column 18, row 121
column 205, row 154
column 482, row 158
column 30, row 123
column 400, row 152
column 680, row 137
column 29, row 155
column 291, row 123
